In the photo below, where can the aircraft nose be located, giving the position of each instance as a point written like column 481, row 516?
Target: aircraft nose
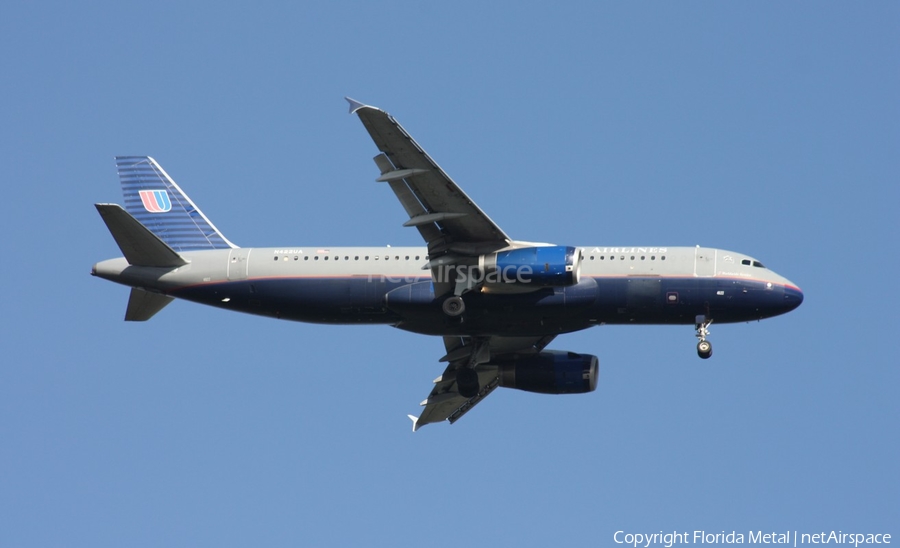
column 792, row 297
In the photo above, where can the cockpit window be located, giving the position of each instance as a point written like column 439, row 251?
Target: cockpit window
column 748, row 262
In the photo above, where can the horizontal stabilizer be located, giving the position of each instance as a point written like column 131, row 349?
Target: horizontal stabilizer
column 139, row 246
column 142, row 305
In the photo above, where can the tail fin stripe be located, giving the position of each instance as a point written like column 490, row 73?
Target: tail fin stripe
column 157, row 202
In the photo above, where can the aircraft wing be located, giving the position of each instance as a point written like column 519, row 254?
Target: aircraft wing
column 448, row 220
column 445, row 402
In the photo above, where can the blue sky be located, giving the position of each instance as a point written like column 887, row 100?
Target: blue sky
column 766, row 128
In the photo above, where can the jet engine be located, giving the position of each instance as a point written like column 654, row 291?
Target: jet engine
column 551, row 372
column 541, row 266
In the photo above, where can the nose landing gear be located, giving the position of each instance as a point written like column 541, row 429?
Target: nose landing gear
column 704, row 347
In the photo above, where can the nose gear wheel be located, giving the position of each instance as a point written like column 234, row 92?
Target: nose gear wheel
column 704, row 347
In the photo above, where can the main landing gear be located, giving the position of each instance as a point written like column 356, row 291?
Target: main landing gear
column 467, row 382
column 454, row 306
column 704, row 347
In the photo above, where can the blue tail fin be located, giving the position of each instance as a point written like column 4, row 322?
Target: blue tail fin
column 153, row 198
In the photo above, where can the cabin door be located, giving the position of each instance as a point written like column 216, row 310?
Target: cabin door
column 238, row 263
column 704, row 262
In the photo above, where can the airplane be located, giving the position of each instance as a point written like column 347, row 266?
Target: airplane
column 496, row 302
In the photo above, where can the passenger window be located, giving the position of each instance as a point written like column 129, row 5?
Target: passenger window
column 306, row 257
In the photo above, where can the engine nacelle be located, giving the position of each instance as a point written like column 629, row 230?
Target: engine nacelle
column 551, row 372
column 539, row 266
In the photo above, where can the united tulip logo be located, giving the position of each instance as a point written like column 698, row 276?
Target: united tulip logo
column 156, row 201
